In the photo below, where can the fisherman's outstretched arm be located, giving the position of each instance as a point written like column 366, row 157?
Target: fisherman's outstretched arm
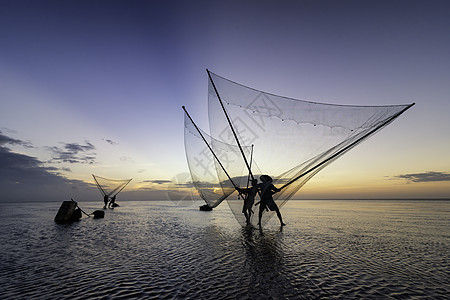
column 275, row 189
column 243, row 190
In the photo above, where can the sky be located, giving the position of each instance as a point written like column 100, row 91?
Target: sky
column 96, row 87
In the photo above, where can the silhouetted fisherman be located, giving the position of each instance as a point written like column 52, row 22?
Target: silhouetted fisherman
column 249, row 199
column 105, row 199
column 112, row 202
column 267, row 190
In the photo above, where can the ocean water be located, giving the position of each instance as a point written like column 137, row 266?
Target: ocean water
column 329, row 249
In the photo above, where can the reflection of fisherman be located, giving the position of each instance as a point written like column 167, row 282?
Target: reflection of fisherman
column 249, row 199
column 112, row 202
column 105, row 199
column 267, row 190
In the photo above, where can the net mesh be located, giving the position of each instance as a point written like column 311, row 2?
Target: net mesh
column 293, row 139
column 208, row 176
column 110, row 187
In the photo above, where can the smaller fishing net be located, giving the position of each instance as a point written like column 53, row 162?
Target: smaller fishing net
column 110, row 187
column 211, row 174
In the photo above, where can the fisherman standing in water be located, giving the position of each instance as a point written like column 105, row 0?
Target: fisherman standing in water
column 112, row 202
column 267, row 190
column 105, row 199
column 249, row 199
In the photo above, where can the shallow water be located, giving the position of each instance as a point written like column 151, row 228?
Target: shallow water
column 329, row 249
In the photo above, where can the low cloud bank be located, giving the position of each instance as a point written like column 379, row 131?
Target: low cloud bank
column 25, row 178
column 425, row 176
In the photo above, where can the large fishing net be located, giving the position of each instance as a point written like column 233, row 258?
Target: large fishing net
column 110, row 187
column 293, row 139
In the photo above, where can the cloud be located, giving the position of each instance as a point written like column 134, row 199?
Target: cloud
column 181, row 181
column 24, row 178
column 146, row 189
column 4, row 140
column 111, row 142
column 425, row 177
column 160, row 181
column 7, row 140
column 73, row 153
column 8, row 130
column 191, row 185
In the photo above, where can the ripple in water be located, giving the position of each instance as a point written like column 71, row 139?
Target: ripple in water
column 329, row 249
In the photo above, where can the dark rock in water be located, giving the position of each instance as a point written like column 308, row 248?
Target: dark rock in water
column 68, row 212
column 76, row 215
column 206, row 207
column 98, row 214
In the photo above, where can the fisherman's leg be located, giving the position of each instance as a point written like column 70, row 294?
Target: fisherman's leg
column 261, row 209
column 279, row 216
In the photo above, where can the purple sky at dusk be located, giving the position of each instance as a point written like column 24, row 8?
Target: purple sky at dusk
column 96, row 87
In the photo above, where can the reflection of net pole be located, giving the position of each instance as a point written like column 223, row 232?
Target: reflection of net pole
column 342, row 151
column 210, row 149
column 231, row 126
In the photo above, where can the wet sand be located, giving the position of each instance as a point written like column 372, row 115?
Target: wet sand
column 329, row 250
